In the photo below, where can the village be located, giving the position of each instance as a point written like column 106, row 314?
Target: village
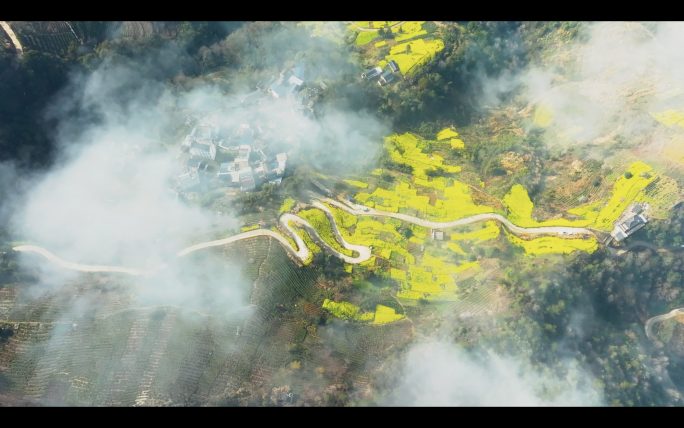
column 254, row 151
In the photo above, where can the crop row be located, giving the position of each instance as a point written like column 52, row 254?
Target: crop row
column 52, row 43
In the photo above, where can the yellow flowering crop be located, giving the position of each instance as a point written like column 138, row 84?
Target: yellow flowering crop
column 356, row 183
column 491, row 231
column 384, row 314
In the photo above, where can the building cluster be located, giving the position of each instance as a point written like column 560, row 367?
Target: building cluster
column 250, row 167
column 629, row 222
column 247, row 173
column 290, row 86
column 384, row 77
column 257, row 146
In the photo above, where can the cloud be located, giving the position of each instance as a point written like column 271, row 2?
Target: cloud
column 440, row 374
column 126, row 112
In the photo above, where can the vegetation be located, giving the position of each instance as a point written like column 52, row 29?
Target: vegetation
column 320, row 222
column 287, row 205
column 365, row 37
column 489, row 231
column 346, row 310
column 553, row 244
column 308, row 242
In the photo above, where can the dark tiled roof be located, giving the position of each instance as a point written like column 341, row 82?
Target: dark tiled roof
column 633, row 222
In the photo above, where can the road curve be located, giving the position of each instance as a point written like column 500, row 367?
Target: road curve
column 621, row 251
column 83, row 268
column 649, row 324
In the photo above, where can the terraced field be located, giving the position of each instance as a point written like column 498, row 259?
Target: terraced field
column 45, row 36
column 163, row 354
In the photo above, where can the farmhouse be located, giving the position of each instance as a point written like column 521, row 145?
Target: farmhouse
column 438, row 234
column 372, row 73
column 385, row 78
column 393, row 66
column 629, row 223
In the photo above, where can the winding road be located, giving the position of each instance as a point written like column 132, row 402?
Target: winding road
column 302, row 252
column 553, row 230
column 664, row 317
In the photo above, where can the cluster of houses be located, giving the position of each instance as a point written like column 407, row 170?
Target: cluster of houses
column 253, row 164
column 247, row 174
column 385, row 77
column 250, row 168
column 290, row 86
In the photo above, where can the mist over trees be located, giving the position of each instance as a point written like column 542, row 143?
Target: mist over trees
column 575, row 322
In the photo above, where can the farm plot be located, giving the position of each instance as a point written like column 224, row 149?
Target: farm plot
column 320, row 222
column 448, row 133
column 553, row 244
column 661, row 194
column 145, row 356
column 457, row 202
column 346, row 310
column 287, row 205
column 413, row 54
column 368, row 232
column 365, row 37
column 625, row 191
column 356, row 183
column 385, row 315
column 543, row 114
column 490, row 231
column 481, row 301
column 520, row 211
column 433, row 280
column 411, row 154
column 669, row 117
column 44, row 36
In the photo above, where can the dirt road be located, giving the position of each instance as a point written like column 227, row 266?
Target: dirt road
column 623, row 250
column 17, row 45
column 649, row 324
